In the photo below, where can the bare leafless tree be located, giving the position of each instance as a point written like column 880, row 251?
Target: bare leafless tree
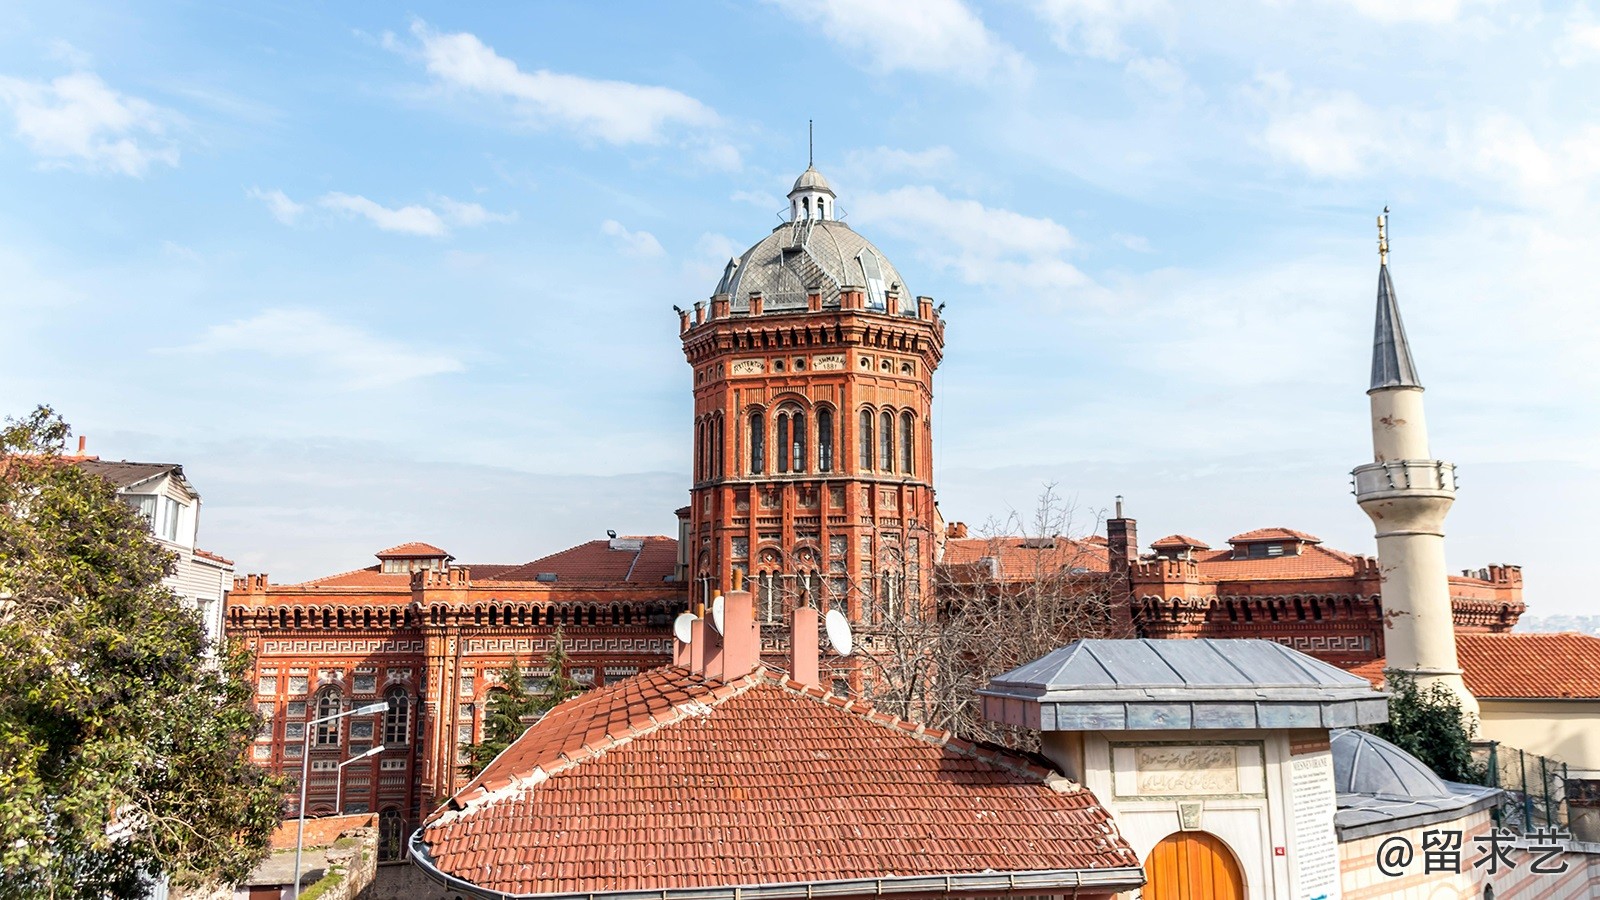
column 1032, row 585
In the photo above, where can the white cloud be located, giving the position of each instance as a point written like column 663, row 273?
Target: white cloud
column 1095, row 27
column 1336, row 136
column 77, row 122
column 356, row 358
column 891, row 160
column 278, row 203
column 1433, row 12
column 1580, row 39
column 470, row 215
column 406, row 219
column 758, row 198
column 994, row 247
column 618, row 112
column 632, row 243
column 720, row 155
column 63, row 51
column 937, row 36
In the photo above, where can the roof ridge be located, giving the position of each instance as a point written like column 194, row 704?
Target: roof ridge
column 339, row 575
column 993, row 754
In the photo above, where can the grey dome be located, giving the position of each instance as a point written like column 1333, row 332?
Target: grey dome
column 1369, row 765
column 822, row 253
column 811, row 180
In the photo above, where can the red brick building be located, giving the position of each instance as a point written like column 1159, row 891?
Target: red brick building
column 431, row 637
column 812, row 375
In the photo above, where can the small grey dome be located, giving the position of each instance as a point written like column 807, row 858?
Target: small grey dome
column 825, row 254
column 1369, row 765
column 811, row 180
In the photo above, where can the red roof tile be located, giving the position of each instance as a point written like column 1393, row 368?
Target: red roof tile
column 368, row 577
column 413, row 550
column 1371, row 671
column 1313, row 561
column 669, row 780
column 1024, row 557
column 654, row 560
column 1274, row 534
column 214, row 557
column 1530, row 666
column 1180, row 542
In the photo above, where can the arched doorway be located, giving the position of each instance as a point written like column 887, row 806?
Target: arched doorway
column 1192, row 865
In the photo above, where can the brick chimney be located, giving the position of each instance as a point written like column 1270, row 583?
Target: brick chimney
column 1122, row 550
column 803, row 645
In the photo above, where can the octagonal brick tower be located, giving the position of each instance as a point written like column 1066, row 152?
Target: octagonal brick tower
column 813, row 386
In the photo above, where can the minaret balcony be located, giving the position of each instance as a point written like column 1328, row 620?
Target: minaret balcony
column 1404, row 478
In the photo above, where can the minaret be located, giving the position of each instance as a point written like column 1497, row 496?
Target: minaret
column 1407, row 494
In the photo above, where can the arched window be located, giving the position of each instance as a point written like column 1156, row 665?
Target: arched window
column 797, row 442
column 328, row 703
column 805, row 204
column 397, row 720
column 866, row 440
column 716, row 446
column 907, row 458
column 391, row 834
column 701, row 447
column 824, row 440
column 767, row 595
column 758, row 443
column 783, row 441
column 886, row 442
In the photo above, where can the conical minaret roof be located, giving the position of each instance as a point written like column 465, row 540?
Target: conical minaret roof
column 1391, row 352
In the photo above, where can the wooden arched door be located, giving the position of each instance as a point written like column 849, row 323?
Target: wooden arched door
column 1192, row 865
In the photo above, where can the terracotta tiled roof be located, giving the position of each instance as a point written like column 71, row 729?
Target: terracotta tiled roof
column 207, row 554
column 1530, row 666
column 413, row 550
column 669, row 780
column 1313, row 561
column 596, row 563
column 1371, row 671
column 368, row 577
column 1021, row 558
column 1180, row 542
column 486, row 571
column 1274, row 534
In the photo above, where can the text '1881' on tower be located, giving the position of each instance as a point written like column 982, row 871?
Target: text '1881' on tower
column 813, row 384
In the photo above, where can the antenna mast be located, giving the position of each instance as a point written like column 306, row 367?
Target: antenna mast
column 811, row 143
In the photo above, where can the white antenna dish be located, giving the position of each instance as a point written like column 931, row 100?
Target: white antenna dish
column 838, row 632
column 718, row 607
column 681, row 626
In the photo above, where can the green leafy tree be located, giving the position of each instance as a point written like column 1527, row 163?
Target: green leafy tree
column 123, row 747
column 511, row 708
column 1429, row 723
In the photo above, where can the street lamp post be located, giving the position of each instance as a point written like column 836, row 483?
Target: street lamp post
column 338, row 791
column 305, row 773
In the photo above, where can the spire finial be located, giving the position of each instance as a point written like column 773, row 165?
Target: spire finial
column 811, row 143
column 1383, row 237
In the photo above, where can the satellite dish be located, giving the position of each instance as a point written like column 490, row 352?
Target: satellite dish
column 681, row 626
column 838, row 632
column 718, row 605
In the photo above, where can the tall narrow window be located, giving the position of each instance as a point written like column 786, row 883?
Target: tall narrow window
column 906, row 456
column 758, row 443
column 783, row 442
column 699, row 450
column 397, row 719
column 716, row 446
column 797, row 442
column 768, row 588
column 866, row 440
column 824, row 440
column 327, row 705
column 886, row 442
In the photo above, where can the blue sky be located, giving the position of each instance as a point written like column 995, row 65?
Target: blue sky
column 377, row 273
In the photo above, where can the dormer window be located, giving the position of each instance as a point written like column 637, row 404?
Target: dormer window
column 872, row 272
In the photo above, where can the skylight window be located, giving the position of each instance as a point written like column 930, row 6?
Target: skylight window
column 873, row 273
